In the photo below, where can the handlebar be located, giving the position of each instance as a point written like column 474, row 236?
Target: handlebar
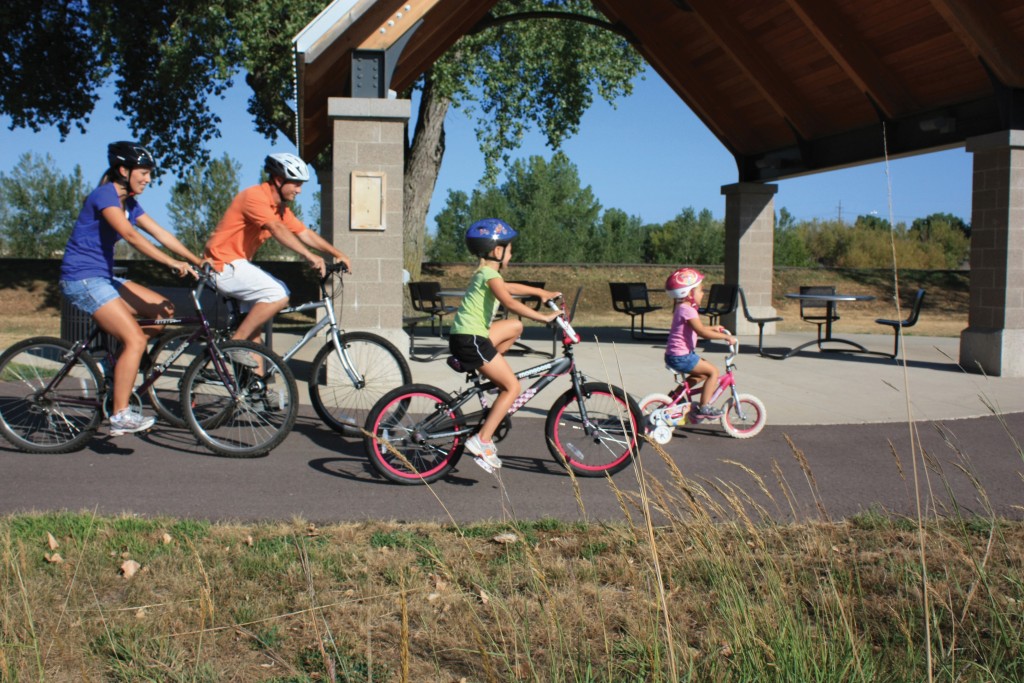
column 733, row 348
column 569, row 335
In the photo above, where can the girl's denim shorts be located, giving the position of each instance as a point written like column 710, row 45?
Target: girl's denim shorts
column 683, row 364
column 91, row 293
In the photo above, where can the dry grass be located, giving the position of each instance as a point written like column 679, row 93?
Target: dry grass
column 747, row 598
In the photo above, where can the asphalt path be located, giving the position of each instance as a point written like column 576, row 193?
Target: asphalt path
column 786, row 472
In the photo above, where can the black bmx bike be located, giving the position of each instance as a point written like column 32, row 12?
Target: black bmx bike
column 416, row 434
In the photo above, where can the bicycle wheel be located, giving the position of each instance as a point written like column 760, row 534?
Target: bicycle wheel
column 750, row 423
column 342, row 405
column 243, row 414
column 63, row 418
column 174, row 352
column 598, row 436
column 400, row 429
column 651, row 402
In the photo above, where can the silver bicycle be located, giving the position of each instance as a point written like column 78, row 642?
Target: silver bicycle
column 348, row 375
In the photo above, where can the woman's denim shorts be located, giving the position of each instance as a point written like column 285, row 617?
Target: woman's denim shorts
column 91, row 293
column 683, row 364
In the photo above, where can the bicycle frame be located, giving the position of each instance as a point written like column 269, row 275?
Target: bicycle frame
column 203, row 331
column 725, row 381
column 548, row 372
column 330, row 320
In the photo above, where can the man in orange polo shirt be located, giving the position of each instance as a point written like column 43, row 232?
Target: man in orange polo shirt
column 256, row 214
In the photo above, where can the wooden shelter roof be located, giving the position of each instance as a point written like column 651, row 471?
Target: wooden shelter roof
column 788, row 86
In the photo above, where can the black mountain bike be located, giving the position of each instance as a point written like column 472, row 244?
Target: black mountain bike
column 54, row 393
column 416, row 434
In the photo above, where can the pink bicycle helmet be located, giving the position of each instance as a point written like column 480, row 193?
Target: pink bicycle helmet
column 682, row 282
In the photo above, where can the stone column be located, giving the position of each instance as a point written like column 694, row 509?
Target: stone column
column 994, row 339
column 749, row 251
column 369, row 139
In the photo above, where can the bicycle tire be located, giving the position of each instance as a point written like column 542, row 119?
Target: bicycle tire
column 612, row 413
column 48, row 425
column 165, row 392
column 341, row 405
column 396, row 439
column 754, row 420
column 253, row 422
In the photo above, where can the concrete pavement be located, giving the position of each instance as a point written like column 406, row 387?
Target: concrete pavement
column 809, row 388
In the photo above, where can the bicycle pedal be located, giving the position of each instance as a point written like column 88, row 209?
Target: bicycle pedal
column 483, row 465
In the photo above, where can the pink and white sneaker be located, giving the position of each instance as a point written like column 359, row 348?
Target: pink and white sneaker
column 484, row 452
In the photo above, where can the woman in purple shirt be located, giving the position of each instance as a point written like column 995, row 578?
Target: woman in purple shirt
column 111, row 213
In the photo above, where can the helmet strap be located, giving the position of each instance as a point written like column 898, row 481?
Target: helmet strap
column 277, row 182
column 123, row 180
column 499, row 259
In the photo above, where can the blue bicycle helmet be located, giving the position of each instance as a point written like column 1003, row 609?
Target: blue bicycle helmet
column 486, row 234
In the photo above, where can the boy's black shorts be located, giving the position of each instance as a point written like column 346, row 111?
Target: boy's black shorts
column 472, row 351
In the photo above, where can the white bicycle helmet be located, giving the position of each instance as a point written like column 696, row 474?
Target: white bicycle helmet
column 287, row 166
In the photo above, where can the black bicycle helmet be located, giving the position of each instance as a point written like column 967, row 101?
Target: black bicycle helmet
column 486, row 234
column 129, row 155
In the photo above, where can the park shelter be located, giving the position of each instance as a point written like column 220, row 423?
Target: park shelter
column 790, row 87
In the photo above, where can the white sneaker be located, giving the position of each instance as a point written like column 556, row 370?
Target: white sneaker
column 485, row 454
column 242, row 357
column 129, row 422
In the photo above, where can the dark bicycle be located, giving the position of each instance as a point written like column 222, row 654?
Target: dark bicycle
column 349, row 373
column 54, row 393
column 416, row 434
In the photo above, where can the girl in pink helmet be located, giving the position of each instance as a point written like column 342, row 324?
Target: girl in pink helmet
column 686, row 287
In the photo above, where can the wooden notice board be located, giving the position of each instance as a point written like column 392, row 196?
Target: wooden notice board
column 368, row 191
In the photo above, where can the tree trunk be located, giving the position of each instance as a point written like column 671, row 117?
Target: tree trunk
column 422, row 163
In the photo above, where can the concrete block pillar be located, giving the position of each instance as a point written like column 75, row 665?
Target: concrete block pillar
column 369, row 150
column 994, row 339
column 749, row 250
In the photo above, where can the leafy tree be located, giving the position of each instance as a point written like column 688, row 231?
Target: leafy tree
column 872, row 222
column 617, row 238
column 922, row 224
column 38, row 207
column 199, row 201
column 448, row 245
column 946, row 232
column 168, row 60
column 515, row 74
column 555, row 217
column 689, row 238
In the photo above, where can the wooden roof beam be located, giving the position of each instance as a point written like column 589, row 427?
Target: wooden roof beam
column 661, row 51
column 872, row 77
column 980, row 30
column 759, row 66
column 389, row 32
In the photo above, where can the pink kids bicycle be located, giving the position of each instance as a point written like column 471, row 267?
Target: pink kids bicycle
column 743, row 415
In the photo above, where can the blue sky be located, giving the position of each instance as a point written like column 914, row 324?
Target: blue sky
column 649, row 156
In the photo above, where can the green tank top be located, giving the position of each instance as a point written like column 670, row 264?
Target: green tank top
column 477, row 307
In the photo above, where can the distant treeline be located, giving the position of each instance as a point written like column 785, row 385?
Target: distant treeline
column 561, row 222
